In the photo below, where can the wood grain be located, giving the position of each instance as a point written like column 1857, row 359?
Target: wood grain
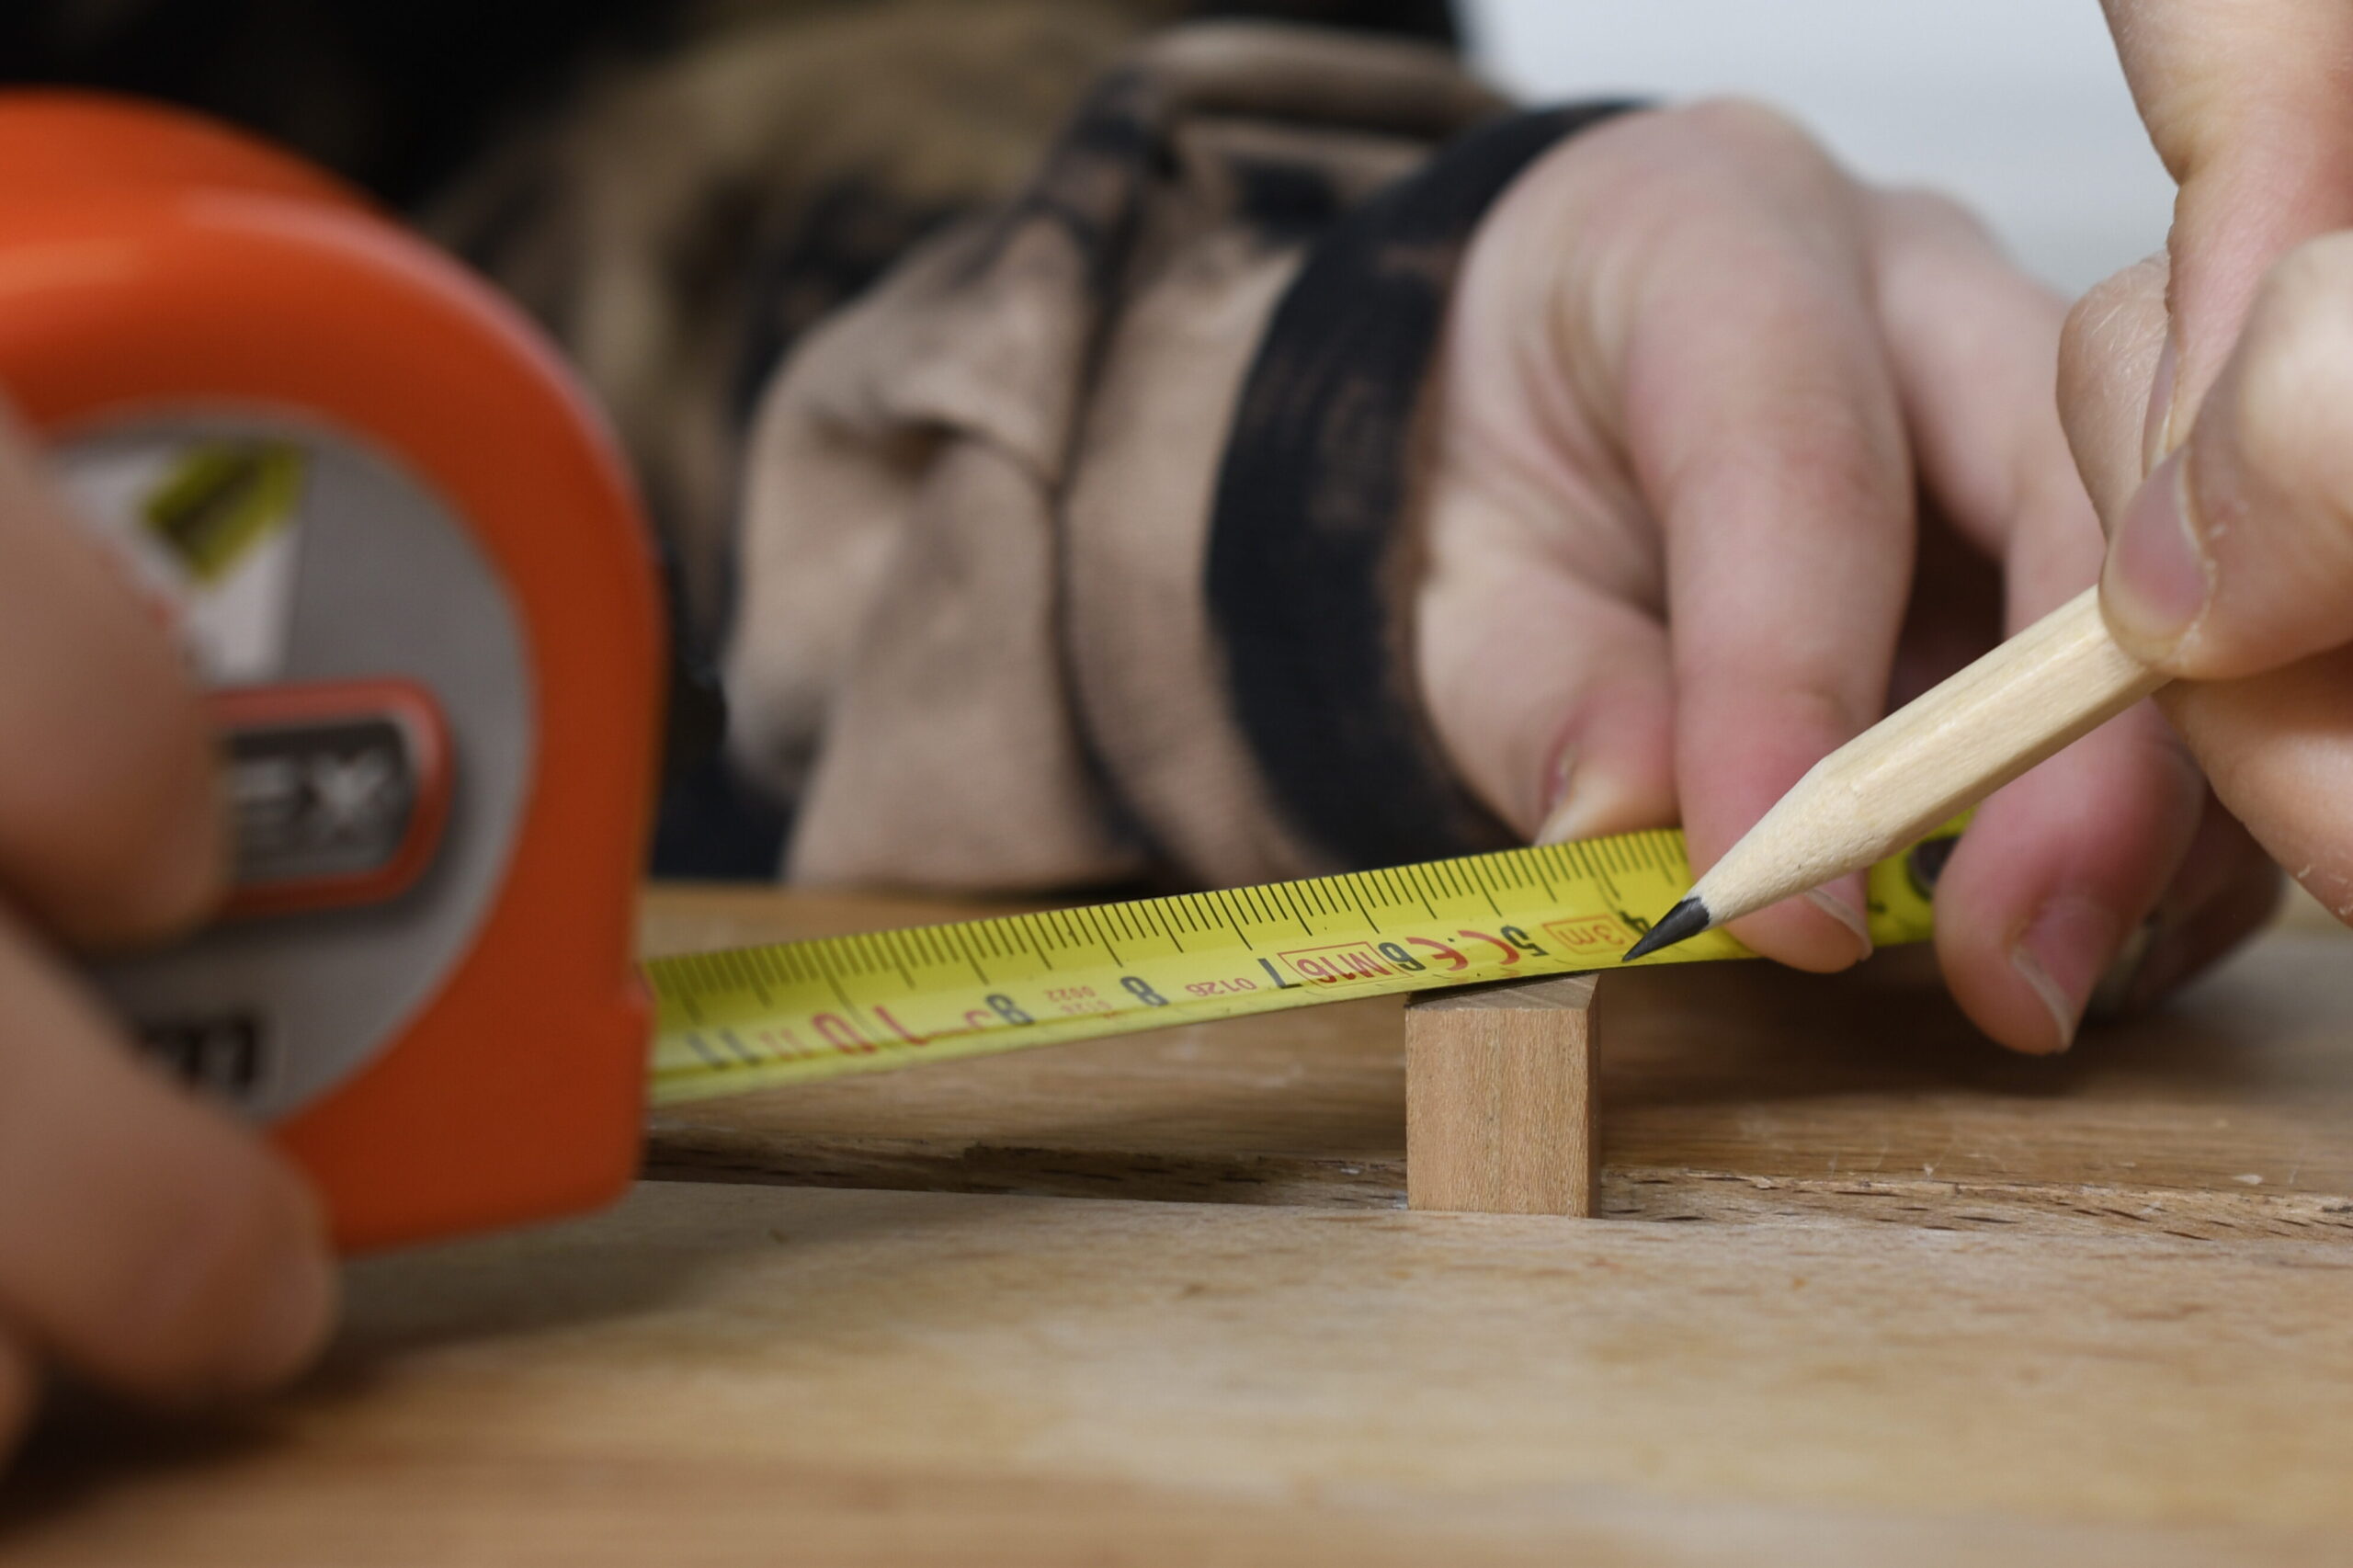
column 1735, row 1092
column 722, row 1375
column 1499, row 1100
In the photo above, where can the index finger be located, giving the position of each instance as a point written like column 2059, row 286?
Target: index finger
column 1761, row 416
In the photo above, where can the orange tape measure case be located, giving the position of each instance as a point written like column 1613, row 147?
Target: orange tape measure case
column 398, row 544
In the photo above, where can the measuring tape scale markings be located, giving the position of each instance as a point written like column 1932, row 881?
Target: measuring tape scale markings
column 799, row 1012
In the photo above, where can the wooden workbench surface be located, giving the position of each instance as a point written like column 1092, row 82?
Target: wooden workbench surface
column 1930, row 1305
column 762, row 1375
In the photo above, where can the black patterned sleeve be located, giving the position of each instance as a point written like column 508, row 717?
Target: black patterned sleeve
column 1305, row 577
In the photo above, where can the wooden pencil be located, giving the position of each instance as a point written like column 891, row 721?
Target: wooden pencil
column 1911, row 772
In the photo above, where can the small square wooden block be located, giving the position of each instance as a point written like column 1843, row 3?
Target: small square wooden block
column 1499, row 1097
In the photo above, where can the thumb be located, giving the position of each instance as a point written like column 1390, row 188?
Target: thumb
column 1554, row 700
column 2236, row 555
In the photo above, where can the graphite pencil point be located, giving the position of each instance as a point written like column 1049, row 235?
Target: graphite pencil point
column 1686, row 919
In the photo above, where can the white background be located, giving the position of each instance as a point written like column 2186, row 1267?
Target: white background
column 2015, row 106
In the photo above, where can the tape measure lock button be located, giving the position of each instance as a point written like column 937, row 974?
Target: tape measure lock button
column 338, row 792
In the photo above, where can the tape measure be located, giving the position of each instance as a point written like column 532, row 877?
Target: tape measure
column 798, row 1012
column 396, row 543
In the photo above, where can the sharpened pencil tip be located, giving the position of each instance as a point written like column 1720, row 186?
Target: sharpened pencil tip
column 1686, row 919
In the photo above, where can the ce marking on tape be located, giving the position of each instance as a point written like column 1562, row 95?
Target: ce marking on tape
column 1355, row 962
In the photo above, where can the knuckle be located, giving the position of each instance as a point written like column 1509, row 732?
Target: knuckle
column 1716, row 167
column 1748, row 122
column 1833, row 449
column 1714, row 142
column 1933, row 211
column 1752, row 160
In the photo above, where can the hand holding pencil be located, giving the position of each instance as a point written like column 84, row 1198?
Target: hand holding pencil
column 1696, row 534
column 2213, row 437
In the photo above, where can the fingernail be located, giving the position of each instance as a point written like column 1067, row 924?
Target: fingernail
column 1847, row 914
column 2118, row 988
column 290, row 1320
column 2158, row 578
column 1588, row 799
column 2157, row 429
column 2062, row 955
column 1570, row 811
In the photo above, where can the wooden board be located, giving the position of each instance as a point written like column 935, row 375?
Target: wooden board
column 1499, row 1097
column 1733, row 1092
column 719, row 1375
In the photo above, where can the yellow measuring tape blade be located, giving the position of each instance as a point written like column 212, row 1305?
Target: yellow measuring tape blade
column 798, row 1012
